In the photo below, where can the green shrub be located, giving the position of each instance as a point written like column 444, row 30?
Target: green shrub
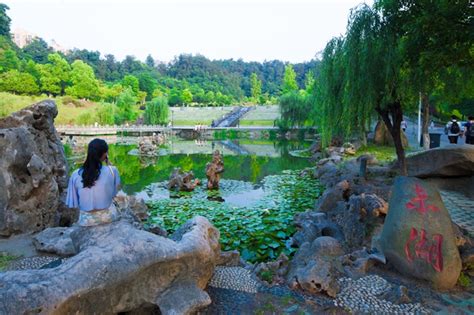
column 157, row 111
column 86, row 118
column 105, row 114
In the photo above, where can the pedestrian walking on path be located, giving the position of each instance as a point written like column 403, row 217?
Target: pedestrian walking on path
column 469, row 130
column 453, row 130
column 404, row 125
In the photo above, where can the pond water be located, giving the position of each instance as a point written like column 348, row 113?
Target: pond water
column 246, row 162
column 260, row 191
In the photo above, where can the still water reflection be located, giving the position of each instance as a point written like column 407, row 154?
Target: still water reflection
column 246, row 162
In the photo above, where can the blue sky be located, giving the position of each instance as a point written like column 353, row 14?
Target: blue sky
column 256, row 30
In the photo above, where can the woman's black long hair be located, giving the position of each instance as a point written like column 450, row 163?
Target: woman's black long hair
column 92, row 165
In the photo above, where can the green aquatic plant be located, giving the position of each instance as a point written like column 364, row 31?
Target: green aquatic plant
column 5, row 260
column 261, row 231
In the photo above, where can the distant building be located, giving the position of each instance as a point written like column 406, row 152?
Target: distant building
column 22, row 37
column 56, row 47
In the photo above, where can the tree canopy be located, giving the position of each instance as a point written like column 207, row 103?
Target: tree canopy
column 391, row 52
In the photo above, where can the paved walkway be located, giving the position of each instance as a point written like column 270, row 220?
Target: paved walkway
column 461, row 209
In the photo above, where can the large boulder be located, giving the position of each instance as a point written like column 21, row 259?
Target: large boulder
column 33, row 171
column 383, row 137
column 118, row 268
column 448, row 161
column 417, row 237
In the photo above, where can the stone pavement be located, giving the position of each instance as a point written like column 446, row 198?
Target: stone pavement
column 461, row 209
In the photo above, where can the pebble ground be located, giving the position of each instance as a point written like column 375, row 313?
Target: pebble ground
column 363, row 296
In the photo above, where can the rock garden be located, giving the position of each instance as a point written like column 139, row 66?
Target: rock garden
column 344, row 234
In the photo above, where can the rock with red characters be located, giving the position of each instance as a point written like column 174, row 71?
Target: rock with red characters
column 417, row 237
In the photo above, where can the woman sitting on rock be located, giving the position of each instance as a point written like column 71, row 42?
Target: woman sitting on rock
column 93, row 186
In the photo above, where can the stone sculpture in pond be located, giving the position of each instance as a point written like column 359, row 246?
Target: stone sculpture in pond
column 418, row 237
column 182, row 181
column 214, row 170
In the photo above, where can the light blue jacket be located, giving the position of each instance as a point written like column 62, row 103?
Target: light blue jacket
column 96, row 197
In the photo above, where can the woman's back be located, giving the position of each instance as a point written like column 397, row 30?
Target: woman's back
column 97, row 197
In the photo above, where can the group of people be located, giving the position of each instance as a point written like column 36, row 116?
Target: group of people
column 455, row 130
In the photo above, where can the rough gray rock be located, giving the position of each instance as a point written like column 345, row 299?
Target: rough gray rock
column 315, row 267
column 182, row 181
column 55, row 240
column 33, row 171
column 447, row 161
column 119, row 269
column 275, row 270
column 332, row 196
column 229, row 259
column 311, row 225
column 136, row 206
column 417, row 237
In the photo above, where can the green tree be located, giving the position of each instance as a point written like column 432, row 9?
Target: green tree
column 149, row 61
column 186, row 96
column 309, row 82
column 174, row 97
column 8, row 59
column 38, row 50
column 83, row 81
column 210, row 98
column 147, row 83
column 255, row 87
column 4, row 21
column 294, row 108
column 435, row 41
column 157, row 111
column 18, row 83
column 289, row 80
column 55, row 75
column 110, row 93
column 132, row 82
column 125, row 104
column 361, row 74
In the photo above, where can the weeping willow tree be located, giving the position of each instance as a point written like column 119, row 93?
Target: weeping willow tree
column 157, row 111
column 330, row 89
column 360, row 76
column 295, row 108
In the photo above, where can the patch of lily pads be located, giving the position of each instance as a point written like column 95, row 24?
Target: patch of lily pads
column 260, row 231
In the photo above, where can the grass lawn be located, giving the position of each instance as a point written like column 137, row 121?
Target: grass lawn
column 381, row 153
column 264, row 123
column 67, row 113
column 190, row 116
column 191, row 122
column 261, row 116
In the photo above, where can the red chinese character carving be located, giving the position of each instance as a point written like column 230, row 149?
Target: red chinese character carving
column 430, row 251
column 418, row 202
